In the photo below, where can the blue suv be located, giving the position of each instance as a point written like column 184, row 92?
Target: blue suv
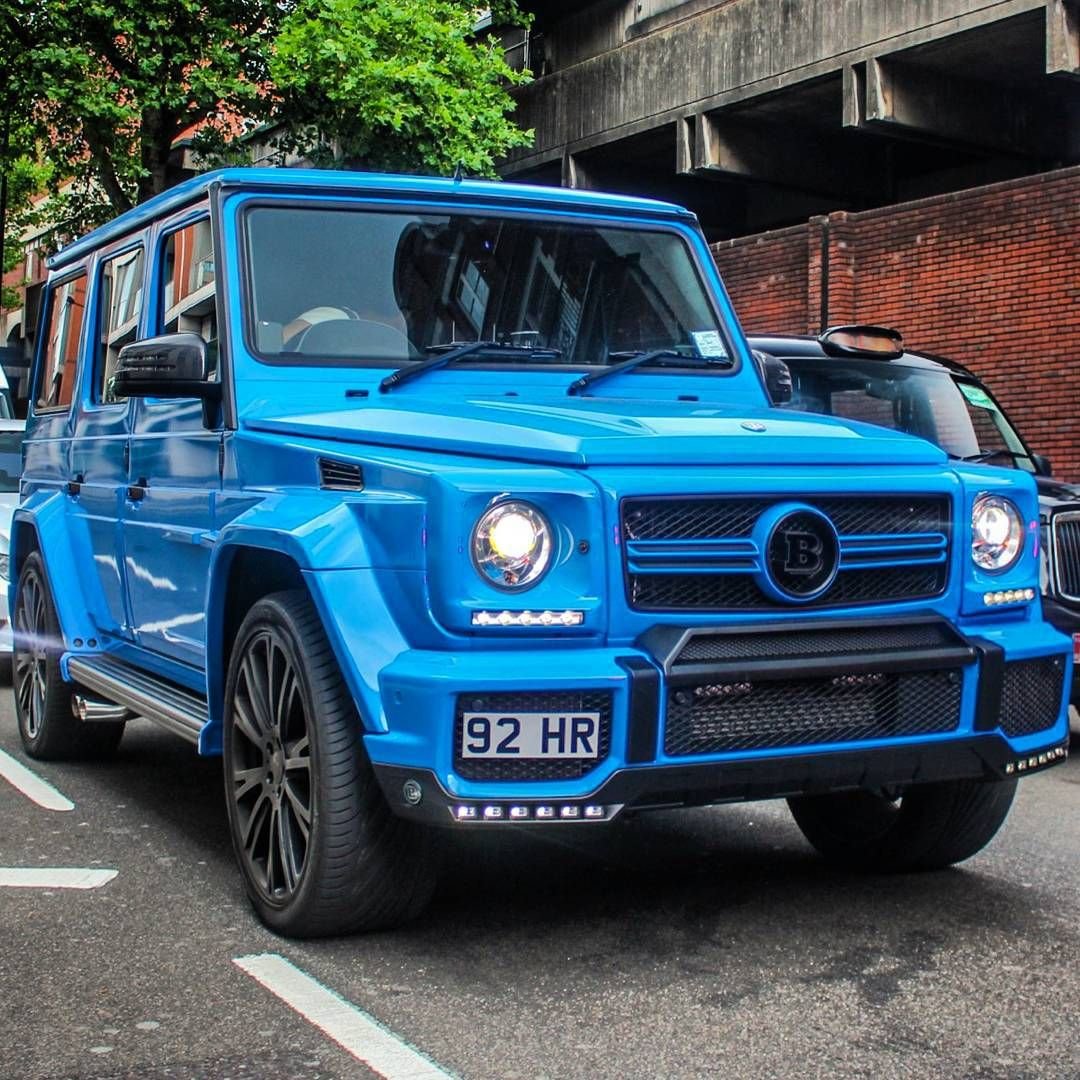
column 447, row 503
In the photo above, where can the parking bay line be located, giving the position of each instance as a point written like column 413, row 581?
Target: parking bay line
column 351, row 1028
column 31, row 785
column 54, row 877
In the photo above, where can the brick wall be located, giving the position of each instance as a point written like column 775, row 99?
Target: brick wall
column 989, row 277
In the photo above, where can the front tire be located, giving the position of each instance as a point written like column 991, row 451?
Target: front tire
column 43, row 700
column 927, row 827
column 320, row 851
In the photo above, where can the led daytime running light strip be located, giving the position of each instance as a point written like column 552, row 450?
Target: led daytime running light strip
column 528, row 618
column 541, row 812
column 1008, row 596
column 1044, row 757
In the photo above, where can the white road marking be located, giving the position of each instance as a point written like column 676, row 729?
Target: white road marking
column 351, row 1028
column 56, row 877
column 31, row 785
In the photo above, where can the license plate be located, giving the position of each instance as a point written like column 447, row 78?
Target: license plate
column 530, row 735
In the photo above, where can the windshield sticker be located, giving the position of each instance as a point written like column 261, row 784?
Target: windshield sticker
column 709, row 342
column 978, row 396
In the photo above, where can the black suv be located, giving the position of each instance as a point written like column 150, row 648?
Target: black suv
column 864, row 373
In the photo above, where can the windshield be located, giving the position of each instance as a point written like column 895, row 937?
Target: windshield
column 10, row 459
column 383, row 288
column 956, row 413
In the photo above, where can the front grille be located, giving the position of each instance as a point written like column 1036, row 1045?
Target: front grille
column 1031, row 695
column 525, row 702
column 1066, row 554
column 701, row 553
column 746, row 715
column 812, row 643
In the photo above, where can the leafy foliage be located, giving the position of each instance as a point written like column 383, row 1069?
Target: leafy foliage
column 104, row 89
column 400, row 85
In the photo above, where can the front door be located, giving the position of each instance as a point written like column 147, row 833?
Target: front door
column 173, row 474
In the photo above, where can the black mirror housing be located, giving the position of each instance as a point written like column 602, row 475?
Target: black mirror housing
column 1042, row 465
column 777, row 377
column 169, row 366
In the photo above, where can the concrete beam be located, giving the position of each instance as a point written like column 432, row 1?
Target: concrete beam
column 1063, row 38
column 574, row 172
column 886, row 95
column 748, row 150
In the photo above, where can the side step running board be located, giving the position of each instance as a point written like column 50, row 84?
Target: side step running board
column 182, row 711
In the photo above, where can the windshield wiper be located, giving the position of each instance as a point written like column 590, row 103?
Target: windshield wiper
column 636, row 359
column 450, row 354
column 986, row 455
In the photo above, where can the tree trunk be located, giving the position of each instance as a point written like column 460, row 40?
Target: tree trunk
column 157, row 137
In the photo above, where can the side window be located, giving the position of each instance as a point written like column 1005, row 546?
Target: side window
column 67, row 307
column 121, row 302
column 187, row 302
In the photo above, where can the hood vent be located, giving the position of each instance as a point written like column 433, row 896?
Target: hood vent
column 340, row 475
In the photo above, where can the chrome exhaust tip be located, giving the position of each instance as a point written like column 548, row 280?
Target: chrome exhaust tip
column 91, row 711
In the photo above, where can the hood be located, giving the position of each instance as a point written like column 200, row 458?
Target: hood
column 594, row 432
column 1054, row 492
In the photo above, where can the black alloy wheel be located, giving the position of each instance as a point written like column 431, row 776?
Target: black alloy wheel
column 925, row 827
column 48, row 726
column 320, row 851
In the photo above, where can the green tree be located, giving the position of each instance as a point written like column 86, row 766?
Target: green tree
column 396, row 85
column 106, row 88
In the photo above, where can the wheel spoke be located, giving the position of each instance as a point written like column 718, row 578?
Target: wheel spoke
column 286, row 855
column 283, row 703
column 256, row 688
column 246, row 779
column 245, row 724
column 253, row 826
column 298, row 755
column 300, row 810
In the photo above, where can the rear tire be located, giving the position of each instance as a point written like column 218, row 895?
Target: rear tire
column 928, row 827
column 48, row 728
column 320, row 851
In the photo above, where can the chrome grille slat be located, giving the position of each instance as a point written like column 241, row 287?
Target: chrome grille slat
column 1065, row 553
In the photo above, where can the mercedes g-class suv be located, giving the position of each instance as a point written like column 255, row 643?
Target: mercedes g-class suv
column 448, row 503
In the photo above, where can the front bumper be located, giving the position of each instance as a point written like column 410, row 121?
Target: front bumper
column 985, row 757
column 989, row 678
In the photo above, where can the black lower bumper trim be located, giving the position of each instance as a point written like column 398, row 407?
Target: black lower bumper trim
column 983, row 757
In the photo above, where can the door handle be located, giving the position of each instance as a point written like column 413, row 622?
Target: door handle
column 73, row 487
column 137, row 492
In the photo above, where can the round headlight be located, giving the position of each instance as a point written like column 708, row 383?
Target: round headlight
column 511, row 545
column 997, row 533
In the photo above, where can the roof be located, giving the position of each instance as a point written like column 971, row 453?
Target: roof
column 323, row 181
column 783, row 346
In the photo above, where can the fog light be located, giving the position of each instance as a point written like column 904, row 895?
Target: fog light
column 412, row 792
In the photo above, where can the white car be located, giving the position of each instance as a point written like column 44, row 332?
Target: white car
column 11, row 438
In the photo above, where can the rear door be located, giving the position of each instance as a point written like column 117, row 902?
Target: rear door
column 99, row 448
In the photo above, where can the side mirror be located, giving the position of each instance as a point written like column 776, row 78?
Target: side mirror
column 1042, row 465
column 169, row 366
column 777, row 376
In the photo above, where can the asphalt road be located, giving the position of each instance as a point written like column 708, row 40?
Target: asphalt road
column 682, row 944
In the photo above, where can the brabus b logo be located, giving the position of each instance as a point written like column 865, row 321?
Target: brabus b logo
column 802, row 552
column 802, row 555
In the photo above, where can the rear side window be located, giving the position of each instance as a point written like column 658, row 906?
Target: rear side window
column 121, row 302
column 67, row 306
column 188, row 282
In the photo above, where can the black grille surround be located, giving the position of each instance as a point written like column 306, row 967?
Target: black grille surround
column 698, row 553
column 1031, row 695
column 527, row 702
